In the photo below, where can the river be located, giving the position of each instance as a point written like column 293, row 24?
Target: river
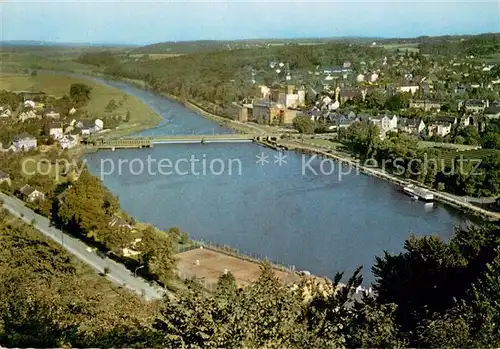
column 287, row 207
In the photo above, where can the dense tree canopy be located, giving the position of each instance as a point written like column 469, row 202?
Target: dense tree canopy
column 433, row 294
column 80, row 93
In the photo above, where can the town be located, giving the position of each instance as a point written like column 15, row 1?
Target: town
column 276, row 257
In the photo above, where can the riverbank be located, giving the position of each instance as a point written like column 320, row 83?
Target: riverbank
column 442, row 197
column 343, row 158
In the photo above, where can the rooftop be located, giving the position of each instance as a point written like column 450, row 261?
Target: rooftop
column 23, row 136
column 3, row 175
column 27, row 190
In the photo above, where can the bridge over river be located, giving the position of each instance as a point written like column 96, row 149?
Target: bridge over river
column 145, row 142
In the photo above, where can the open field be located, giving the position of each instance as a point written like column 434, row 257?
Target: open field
column 460, row 147
column 477, row 154
column 212, row 265
column 156, row 56
column 141, row 116
column 323, row 143
column 411, row 47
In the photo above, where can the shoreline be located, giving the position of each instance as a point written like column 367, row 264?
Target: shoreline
column 228, row 123
column 439, row 196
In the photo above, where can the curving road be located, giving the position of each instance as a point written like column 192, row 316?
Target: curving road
column 117, row 272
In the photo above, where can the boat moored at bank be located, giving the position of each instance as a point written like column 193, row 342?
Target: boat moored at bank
column 419, row 193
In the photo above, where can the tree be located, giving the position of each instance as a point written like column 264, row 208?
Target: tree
column 127, row 116
column 435, row 287
column 226, row 286
column 80, row 93
column 397, row 102
column 470, row 135
column 303, row 124
column 362, row 138
column 158, row 254
column 111, row 106
column 375, row 99
column 491, row 140
column 87, row 205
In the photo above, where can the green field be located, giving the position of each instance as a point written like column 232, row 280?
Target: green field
column 155, row 56
column 461, row 147
column 141, row 115
column 410, row 47
column 479, row 154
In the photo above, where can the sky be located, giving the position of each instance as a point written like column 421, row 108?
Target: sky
column 145, row 22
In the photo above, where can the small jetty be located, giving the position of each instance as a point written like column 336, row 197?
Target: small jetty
column 419, row 193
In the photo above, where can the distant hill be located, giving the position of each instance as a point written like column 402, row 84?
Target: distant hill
column 186, row 47
column 35, row 43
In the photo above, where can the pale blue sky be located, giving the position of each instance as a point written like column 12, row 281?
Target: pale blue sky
column 141, row 22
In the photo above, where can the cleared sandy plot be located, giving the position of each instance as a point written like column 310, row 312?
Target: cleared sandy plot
column 212, row 265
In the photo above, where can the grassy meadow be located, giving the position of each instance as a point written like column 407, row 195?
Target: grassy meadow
column 411, row 47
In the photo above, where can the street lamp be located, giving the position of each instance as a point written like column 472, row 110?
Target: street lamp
column 135, row 271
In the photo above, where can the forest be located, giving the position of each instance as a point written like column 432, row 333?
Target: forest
column 433, row 294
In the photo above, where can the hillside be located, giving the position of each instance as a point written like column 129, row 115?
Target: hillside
column 187, row 47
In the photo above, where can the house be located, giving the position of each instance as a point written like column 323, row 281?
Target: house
column 52, row 113
column 439, row 129
column 464, row 121
column 425, row 104
column 238, row 112
column 342, row 120
column 411, row 126
column 30, row 194
column 289, row 115
column 265, row 91
column 373, row 77
column 266, row 112
column 117, row 222
column 408, row 88
column 72, row 111
column 5, row 111
column 24, row 142
column 98, row 125
column 68, row 141
column 445, row 119
column 11, row 148
column 54, row 130
column 474, row 106
column 314, row 113
column 86, row 127
column 289, row 98
column 4, row 178
column 349, row 94
column 27, row 115
column 29, row 104
column 385, row 122
column 493, row 111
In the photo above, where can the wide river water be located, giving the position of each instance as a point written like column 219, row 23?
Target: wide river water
column 294, row 214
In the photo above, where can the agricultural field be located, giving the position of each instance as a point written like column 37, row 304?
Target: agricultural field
column 460, row 147
column 411, row 47
column 141, row 115
column 156, row 56
column 446, row 156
